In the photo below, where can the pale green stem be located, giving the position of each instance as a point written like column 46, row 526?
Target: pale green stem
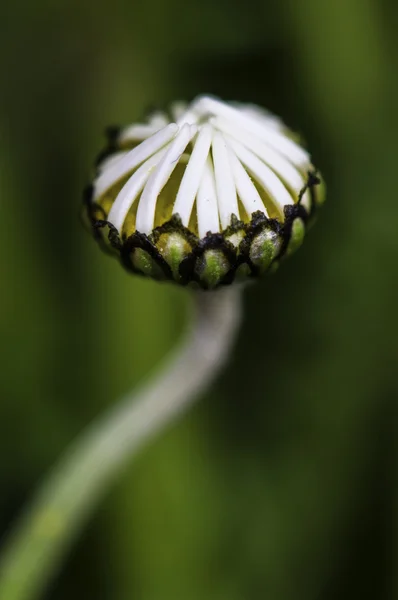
column 34, row 550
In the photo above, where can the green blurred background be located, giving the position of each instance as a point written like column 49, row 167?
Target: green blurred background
column 281, row 483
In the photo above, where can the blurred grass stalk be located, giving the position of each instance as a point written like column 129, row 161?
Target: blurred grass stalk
column 68, row 497
column 346, row 61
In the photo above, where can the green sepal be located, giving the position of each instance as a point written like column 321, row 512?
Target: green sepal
column 297, row 235
column 212, row 267
column 264, row 248
column 143, row 262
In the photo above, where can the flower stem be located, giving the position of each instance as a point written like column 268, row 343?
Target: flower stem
column 34, row 550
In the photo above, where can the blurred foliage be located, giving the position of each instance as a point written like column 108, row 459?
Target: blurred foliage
column 281, row 483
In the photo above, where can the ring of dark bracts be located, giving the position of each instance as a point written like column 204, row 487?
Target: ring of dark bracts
column 214, row 260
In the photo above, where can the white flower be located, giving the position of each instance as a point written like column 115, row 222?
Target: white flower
column 209, row 167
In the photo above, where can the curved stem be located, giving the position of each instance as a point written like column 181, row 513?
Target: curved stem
column 45, row 532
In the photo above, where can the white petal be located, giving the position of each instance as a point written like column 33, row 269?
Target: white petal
column 286, row 171
column 133, row 158
column 189, row 117
column 277, row 140
column 158, row 119
column 183, row 113
column 206, row 202
column 271, row 183
column 137, row 133
column 248, row 194
column 177, row 109
column 263, row 115
column 131, row 190
column 159, row 177
column 225, row 185
column 190, row 182
column 111, row 160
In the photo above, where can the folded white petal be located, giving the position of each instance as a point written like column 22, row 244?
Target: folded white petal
column 247, row 192
column 131, row 190
column 158, row 119
column 133, row 158
column 236, row 155
column 280, row 165
column 193, row 173
column 110, row 160
column 266, row 117
column 206, row 202
column 225, row 184
column 137, row 133
column 277, row 140
column 146, row 208
column 271, row 183
column 177, row 109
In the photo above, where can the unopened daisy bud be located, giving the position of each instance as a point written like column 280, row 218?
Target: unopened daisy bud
column 205, row 194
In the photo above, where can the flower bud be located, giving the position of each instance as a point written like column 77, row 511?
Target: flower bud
column 206, row 194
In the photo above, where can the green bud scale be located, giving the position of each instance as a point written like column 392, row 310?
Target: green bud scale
column 208, row 194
